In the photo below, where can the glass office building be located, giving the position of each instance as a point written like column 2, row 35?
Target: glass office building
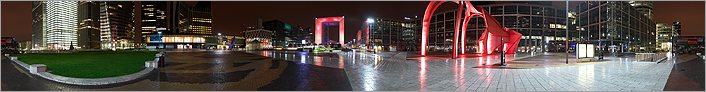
column 542, row 26
column 393, row 35
column 88, row 26
column 55, row 24
column 614, row 26
column 116, row 25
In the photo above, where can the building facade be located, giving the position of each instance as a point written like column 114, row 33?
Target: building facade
column 664, row 36
column 614, row 26
column 676, row 26
column 88, row 25
column 116, row 25
column 196, row 19
column 154, row 17
column 8, row 43
column 257, row 38
column 541, row 25
column 285, row 35
column 192, row 23
column 38, row 32
column 54, row 24
column 392, row 35
column 644, row 7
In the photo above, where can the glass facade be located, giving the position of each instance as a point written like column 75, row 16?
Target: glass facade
column 614, row 26
column 88, row 26
column 116, row 24
column 154, row 15
column 38, row 16
column 55, row 24
column 400, row 35
column 664, row 37
column 285, row 35
column 644, row 7
column 542, row 27
column 195, row 19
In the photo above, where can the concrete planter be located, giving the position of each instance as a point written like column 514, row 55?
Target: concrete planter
column 37, row 68
column 41, row 70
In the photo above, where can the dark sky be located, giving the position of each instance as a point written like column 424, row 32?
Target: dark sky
column 230, row 17
column 691, row 14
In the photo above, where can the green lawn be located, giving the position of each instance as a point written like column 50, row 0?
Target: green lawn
column 91, row 64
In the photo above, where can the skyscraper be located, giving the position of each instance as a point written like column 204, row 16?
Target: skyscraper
column 54, row 24
column 38, row 9
column 178, row 25
column 676, row 25
column 644, row 7
column 116, row 24
column 194, row 19
column 154, row 17
column 88, row 26
column 615, row 26
column 664, row 36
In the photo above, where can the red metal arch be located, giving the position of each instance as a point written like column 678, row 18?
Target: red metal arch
column 489, row 41
column 319, row 29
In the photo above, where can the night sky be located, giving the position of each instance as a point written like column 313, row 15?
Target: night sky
column 230, row 17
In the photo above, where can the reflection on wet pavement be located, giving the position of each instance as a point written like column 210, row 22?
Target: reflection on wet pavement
column 359, row 71
column 394, row 71
column 232, row 70
column 205, row 70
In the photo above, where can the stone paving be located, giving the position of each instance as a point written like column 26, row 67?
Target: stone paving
column 390, row 71
column 375, row 72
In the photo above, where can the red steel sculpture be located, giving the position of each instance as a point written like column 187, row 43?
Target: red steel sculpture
column 493, row 37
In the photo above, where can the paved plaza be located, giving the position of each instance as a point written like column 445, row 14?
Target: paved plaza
column 387, row 71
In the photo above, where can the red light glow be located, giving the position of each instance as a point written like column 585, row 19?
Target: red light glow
column 319, row 28
column 489, row 41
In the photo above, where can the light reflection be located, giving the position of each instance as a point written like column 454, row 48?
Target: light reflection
column 422, row 73
column 463, row 72
column 459, row 67
column 340, row 61
column 488, row 61
column 265, row 53
column 318, row 60
column 219, row 52
column 370, row 76
column 376, row 58
column 302, row 59
column 480, row 61
column 585, row 75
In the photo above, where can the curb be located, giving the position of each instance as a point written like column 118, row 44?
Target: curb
column 40, row 70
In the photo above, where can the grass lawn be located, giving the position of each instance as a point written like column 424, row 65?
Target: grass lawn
column 91, row 64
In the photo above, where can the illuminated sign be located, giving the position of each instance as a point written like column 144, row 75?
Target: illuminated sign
column 585, row 51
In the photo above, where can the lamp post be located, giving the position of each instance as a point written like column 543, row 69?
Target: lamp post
column 502, row 55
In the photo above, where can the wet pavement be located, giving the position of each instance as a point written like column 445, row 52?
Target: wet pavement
column 203, row 70
column 359, row 71
column 396, row 72
column 687, row 74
